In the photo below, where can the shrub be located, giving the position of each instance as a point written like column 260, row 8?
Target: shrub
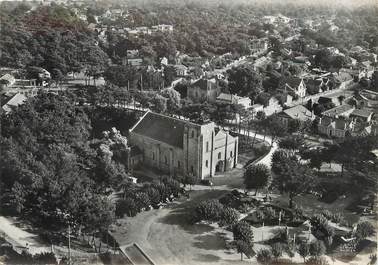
column 317, row 248
column 277, row 250
column 163, row 189
column 269, row 213
column 304, row 250
column 126, row 206
column 153, row 195
column 281, row 235
column 317, row 261
column 260, row 215
column 373, row 259
column 243, row 231
column 45, row 258
column 172, row 185
column 264, row 256
column 209, row 210
column 297, row 213
column 290, row 250
column 327, row 214
column 334, row 217
column 321, row 229
column 243, row 248
column 228, row 217
column 244, row 208
column 364, row 230
column 142, row 200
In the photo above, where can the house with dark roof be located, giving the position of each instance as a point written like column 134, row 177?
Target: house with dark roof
column 335, row 127
column 204, row 90
column 336, row 112
column 336, row 98
column 361, row 115
column 315, row 86
column 298, row 112
column 296, row 85
column 180, row 147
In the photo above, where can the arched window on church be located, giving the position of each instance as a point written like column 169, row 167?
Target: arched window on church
column 192, row 134
column 165, row 160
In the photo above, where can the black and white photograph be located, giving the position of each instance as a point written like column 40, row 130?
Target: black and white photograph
column 188, row 132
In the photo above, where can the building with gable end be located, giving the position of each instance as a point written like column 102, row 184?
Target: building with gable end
column 204, row 90
column 296, row 85
column 180, row 147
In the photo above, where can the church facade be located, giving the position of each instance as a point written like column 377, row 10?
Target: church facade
column 180, row 147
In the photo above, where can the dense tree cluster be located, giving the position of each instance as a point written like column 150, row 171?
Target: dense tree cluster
column 52, row 172
column 52, row 38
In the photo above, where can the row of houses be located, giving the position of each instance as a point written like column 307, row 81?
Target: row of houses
column 346, row 120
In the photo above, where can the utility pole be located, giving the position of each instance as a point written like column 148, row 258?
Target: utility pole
column 69, row 244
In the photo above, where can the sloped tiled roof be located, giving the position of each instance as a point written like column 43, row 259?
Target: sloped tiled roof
column 313, row 82
column 361, row 113
column 293, row 82
column 8, row 77
column 204, row 84
column 299, row 113
column 15, row 101
column 161, row 128
column 228, row 97
column 337, row 110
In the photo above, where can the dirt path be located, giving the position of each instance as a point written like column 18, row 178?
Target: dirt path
column 21, row 238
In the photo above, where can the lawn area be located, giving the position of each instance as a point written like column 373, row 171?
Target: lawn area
column 311, row 205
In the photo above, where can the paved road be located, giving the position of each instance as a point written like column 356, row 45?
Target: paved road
column 267, row 159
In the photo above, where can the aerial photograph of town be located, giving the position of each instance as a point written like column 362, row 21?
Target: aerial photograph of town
column 188, row 132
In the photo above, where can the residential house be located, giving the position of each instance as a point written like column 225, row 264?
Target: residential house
column 163, row 28
column 296, row 85
column 261, row 63
column 7, row 80
column 298, row 112
column 361, row 115
column 134, row 62
column 181, row 70
column 234, row 99
column 315, row 86
column 204, row 90
column 258, row 45
column 12, row 102
column 339, row 111
column 336, row 98
column 273, row 106
column 355, row 73
column 164, row 61
column 343, row 79
column 335, row 127
column 179, row 147
column 362, row 101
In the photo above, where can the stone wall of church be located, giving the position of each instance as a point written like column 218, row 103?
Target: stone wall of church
column 160, row 155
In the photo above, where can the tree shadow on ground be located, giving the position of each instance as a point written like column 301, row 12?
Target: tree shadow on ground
column 207, row 258
column 182, row 214
column 215, row 241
